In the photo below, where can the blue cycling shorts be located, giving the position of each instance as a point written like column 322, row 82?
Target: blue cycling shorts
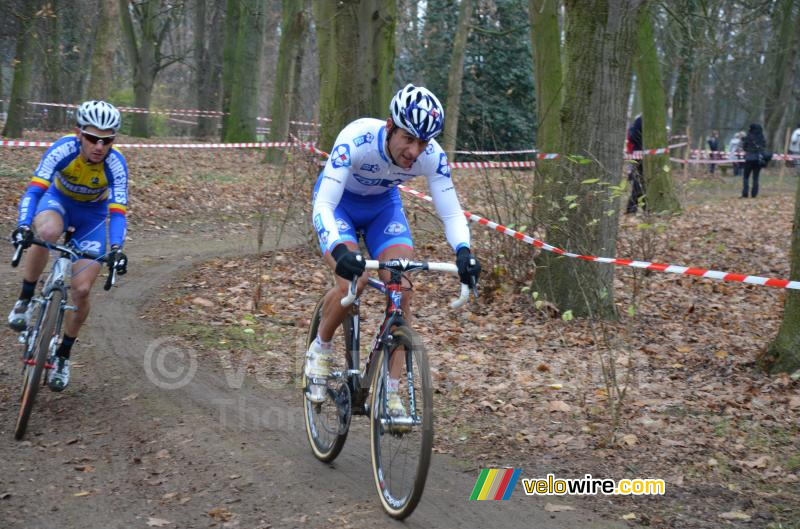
column 88, row 219
column 380, row 217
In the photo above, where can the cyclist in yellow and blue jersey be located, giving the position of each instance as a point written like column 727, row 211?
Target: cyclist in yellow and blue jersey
column 80, row 182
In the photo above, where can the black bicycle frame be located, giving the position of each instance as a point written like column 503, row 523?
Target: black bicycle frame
column 360, row 381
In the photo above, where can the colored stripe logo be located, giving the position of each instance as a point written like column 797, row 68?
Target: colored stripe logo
column 495, row 484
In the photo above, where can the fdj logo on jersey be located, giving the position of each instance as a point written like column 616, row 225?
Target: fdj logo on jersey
column 342, row 225
column 322, row 233
column 365, row 138
column 444, row 167
column 340, row 156
column 394, row 228
column 371, row 167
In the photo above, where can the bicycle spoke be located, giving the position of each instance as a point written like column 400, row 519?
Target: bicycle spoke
column 401, row 456
column 328, row 422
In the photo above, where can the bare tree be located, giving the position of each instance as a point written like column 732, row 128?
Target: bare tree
column 145, row 26
column 26, row 15
column 288, row 70
column 105, row 46
column 208, row 38
column 456, row 76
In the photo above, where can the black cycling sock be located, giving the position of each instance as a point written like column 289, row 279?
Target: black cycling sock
column 27, row 290
column 65, row 348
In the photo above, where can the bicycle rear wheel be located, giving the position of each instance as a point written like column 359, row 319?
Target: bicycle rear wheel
column 34, row 368
column 328, row 423
column 400, row 459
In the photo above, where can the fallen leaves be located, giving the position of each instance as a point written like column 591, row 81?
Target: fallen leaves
column 554, row 507
column 734, row 515
column 221, row 514
column 559, row 406
column 157, row 522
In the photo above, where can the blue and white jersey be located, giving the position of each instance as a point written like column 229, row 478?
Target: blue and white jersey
column 360, row 166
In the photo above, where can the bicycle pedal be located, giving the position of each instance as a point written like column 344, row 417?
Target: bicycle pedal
column 23, row 337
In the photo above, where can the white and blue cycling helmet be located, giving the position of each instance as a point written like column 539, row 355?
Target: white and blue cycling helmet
column 98, row 114
column 418, row 111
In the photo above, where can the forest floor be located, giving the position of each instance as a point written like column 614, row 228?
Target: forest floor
column 228, row 269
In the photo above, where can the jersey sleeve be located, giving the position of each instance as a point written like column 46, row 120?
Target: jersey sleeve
column 446, row 203
column 54, row 159
column 333, row 179
column 118, row 198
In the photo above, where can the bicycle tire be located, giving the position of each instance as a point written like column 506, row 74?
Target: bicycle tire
column 402, row 506
column 326, row 450
column 32, row 374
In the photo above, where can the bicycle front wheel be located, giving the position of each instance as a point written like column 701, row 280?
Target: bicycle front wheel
column 401, row 450
column 328, row 422
column 36, row 358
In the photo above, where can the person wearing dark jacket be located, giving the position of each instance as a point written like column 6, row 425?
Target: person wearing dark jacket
column 753, row 146
column 713, row 145
column 636, row 170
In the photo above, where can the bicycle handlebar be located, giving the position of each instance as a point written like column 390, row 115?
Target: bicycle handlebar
column 404, row 265
column 75, row 252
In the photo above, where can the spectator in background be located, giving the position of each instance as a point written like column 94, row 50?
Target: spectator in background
column 794, row 147
column 636, row 168
column 753, row 146
column 734, row 148
column 713, row 145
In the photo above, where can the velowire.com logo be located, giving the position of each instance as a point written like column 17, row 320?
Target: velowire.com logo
column 495, row 484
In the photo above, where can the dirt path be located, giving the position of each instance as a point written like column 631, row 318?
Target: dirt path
column 119, row 450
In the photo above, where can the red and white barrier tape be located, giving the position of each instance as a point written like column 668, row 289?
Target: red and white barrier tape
column 490, row 165
column 672, row 269
column 169, row 112
column 250, row 145
column 730, row 161
column 484, row 153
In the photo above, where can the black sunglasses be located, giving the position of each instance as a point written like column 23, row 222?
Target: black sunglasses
column 91, row 138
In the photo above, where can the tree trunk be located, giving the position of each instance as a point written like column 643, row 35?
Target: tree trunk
column 50, row 40
column 783, row 354
column 243, row 103
column 784, row 57
column 377, row 20
column 548, row 75
column 455, row 78
column 338, row 93
column 229, row 59
column 680, row 99
column 293, row 29
column 660, row 192
column 23, row 65
column 144, row 52
column 208, row 39
column 600, row 39
column 105, row 46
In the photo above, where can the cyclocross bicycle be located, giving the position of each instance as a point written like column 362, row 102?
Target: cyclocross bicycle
column 43, row 334
column 400, row 446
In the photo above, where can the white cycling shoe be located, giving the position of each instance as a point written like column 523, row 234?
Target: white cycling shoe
column 59, row 375
column 317, row 370
column 20, row 316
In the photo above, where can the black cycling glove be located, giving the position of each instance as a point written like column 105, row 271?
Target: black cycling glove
column 469, row 269
column 22, row 236
column 117, row 259
column 349, row 265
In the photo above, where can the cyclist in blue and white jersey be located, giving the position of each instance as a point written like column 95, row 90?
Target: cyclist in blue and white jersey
column 80, row 181
column 357, row 191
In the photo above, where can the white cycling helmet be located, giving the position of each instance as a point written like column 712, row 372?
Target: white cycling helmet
column 417, row 110
column 98, row 114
